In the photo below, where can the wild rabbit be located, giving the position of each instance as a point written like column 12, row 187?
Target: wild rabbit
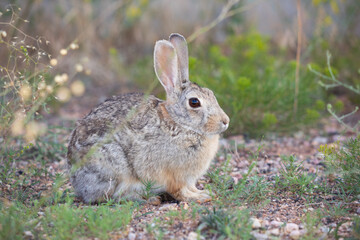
column 132, row 138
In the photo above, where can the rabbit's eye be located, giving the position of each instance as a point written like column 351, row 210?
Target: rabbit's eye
column 194, row 102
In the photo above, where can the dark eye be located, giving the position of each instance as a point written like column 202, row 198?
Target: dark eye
column 194, row 102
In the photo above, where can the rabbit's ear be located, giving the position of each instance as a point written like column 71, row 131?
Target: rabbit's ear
column 180, row 45
column 166, row 65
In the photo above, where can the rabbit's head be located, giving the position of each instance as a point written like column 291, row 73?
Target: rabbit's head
column 188, row 104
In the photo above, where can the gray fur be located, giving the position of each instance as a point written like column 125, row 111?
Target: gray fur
column 131, row 138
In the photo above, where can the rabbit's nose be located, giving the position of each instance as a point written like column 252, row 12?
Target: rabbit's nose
column 225, row 121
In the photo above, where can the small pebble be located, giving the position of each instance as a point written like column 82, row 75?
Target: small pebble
column 275, row 232
column 319, row 140
column 192, row 236
column 132, row 236
column 184, row 205
column 28, row 235
column 154, row 201
column 290, row 227
column 295, row 234
column 276, row 224
column 169, row 206
column 41, row 213
column 255, row 223
column 259, row 236
column 265, row 224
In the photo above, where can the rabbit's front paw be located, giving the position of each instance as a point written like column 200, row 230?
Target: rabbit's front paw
column 192, row 194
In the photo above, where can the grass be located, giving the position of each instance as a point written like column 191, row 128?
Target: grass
column 345, row 162
column 64, row 221
column 249, row 189
column 223, row 224
column 293, row 178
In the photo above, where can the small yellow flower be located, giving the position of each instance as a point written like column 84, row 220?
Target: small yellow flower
column 77, row 88
column 53, row 62
column 33, row 130
column 88, row 71
column 79, row 67
column 133, row 12
column 49, row 89
column 65, row 77
column 41, row 85
column 74, row 46
column 17, row 127
column 63, row 94
column 25, row 92
column 58, row 79
column 3, row 34
column 63, row 52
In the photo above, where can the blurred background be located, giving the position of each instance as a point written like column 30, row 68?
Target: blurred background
column 59, row 59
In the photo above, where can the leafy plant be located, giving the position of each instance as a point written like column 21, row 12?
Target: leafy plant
column 68, row 222
column 226, row 225
column 149, row 189
column 345, row 161
column 293, row 178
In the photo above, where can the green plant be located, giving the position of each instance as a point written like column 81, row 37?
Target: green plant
column 345, row 160
column 312, row 221
column 11, row 223
column 254, row 88
column 225, row 224
column 149, row 189
column 293, row 178
column 356, row 228
column 154, row 229
column 68, row 222
column 252, row 190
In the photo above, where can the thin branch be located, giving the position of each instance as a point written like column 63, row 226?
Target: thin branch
column 332, row 77
column 298, row 53
column 225, row 13
column 340, row 119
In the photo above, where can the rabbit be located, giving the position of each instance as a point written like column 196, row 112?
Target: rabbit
column 132, row 138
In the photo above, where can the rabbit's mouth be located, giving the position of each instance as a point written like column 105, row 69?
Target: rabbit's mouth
column 214, row 126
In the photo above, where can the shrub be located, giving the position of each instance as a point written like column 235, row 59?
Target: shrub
column 253, row 86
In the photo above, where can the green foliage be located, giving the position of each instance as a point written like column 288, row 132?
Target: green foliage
column 356, row 228
column 311, row 115
column 251, row 190
column 11, row 222
column 312, row 221
column 320, row 105
column 64, row 221
column 254, row 88
column 254, row 191
column 293, row 178
column 149, row 189
column 226, row 224
column 68, row 222
column 345, row 161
